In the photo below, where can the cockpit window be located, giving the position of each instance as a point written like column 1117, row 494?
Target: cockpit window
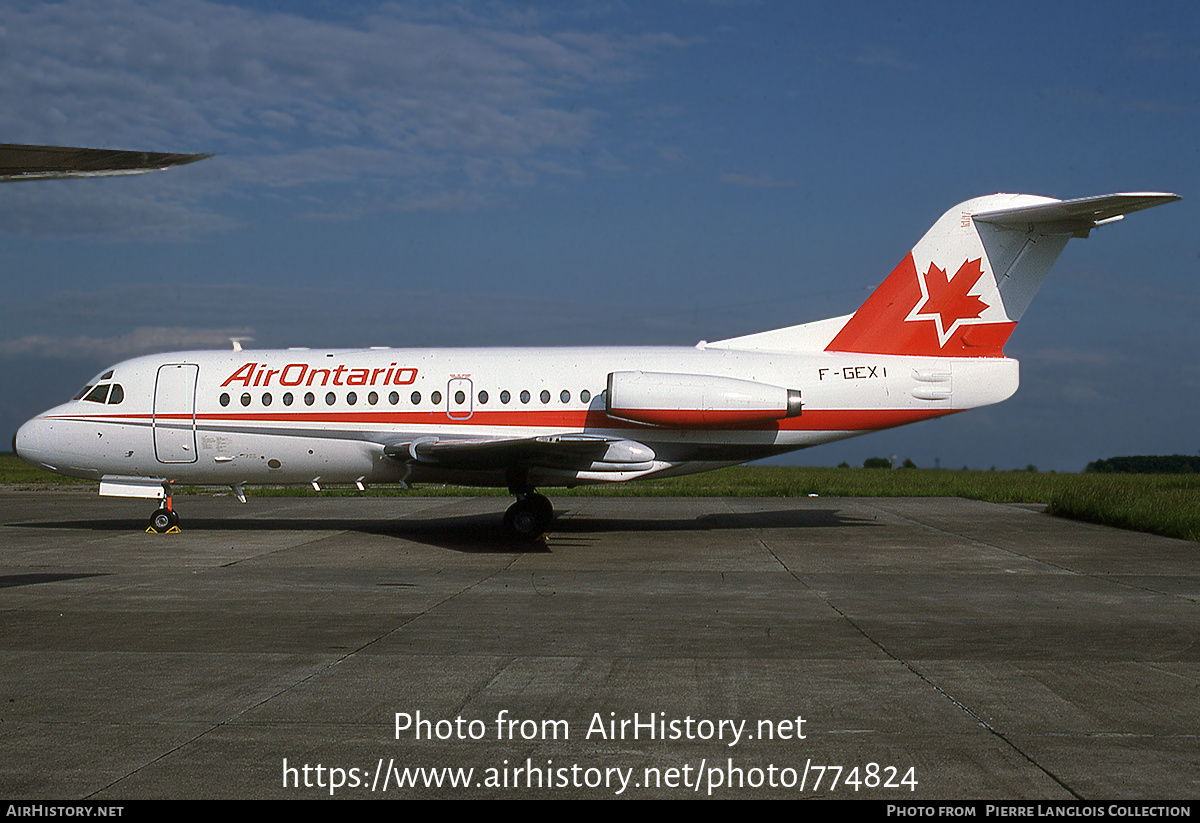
column 98, row 391
column 98, row 394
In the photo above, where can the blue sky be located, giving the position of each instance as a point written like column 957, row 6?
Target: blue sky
column 436, row 173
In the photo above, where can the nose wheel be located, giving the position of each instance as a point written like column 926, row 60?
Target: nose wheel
column 164, row 520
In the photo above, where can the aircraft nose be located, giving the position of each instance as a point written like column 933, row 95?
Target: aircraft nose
column 27, row 442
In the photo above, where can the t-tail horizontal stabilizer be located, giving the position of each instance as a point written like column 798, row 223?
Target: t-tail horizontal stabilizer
column 1075, row 217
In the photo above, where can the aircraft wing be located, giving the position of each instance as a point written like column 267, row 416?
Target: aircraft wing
column 19, row 162
column 555, row 451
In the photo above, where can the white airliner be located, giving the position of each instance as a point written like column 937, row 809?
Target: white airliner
column 927, row 343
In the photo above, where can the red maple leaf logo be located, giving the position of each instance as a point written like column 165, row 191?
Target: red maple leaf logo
column 946, row 301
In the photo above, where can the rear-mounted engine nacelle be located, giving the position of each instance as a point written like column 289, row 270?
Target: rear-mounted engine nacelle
column 696, row 400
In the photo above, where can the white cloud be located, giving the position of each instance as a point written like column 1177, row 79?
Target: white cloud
column 439, row 100
column 108, row 208
column 145, row 340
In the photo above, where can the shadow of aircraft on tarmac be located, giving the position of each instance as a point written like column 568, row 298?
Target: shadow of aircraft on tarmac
column 483, row 533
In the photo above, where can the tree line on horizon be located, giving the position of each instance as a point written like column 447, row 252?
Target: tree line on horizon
column 1147, row 464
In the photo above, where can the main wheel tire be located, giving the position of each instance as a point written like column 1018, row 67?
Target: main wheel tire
column 526, row 519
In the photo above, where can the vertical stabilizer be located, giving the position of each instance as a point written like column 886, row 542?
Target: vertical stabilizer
column 964, row 286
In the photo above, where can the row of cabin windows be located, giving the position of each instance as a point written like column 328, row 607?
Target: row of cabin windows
column 393, row 398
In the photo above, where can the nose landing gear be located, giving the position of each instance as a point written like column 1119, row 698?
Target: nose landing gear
column 164, row 520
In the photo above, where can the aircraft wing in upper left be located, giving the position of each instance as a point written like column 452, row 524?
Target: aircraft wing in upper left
column 20, row 162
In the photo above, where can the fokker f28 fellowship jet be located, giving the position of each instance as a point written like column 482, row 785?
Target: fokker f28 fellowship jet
column 927, row 343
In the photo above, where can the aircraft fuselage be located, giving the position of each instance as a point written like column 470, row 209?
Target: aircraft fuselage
column 293, row 416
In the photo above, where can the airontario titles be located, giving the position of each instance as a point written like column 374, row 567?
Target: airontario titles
column 303, row 374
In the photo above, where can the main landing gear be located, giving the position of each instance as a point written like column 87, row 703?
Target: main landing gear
column 531, row 515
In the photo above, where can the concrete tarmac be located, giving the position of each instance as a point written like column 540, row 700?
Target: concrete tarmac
column 834, row 648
